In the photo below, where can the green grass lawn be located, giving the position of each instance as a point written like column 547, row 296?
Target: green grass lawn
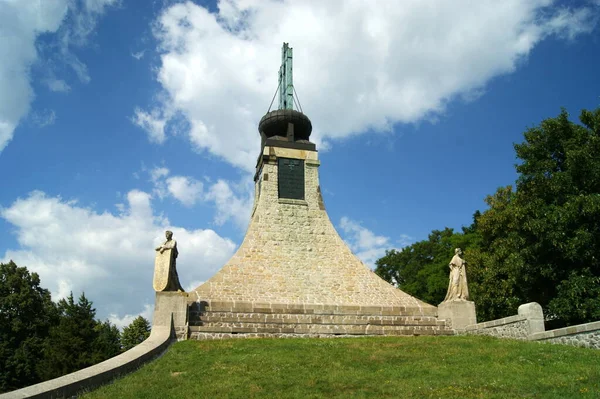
column 387, row 367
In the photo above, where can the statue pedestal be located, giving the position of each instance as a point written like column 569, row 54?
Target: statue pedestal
column 458, row 313
column 172, row 306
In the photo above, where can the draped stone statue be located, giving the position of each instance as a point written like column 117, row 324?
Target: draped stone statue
column 456, row 308
column 457, row 286
column 165, row 271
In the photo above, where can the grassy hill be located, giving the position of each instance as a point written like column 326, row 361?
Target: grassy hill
column 387, row 367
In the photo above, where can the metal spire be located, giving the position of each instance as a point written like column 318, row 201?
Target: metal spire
column 286, row 84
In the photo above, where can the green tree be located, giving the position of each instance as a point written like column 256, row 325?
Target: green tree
column 494, row 264
column 107, row 342
column 541, row 242
column 135, row 333
column 421, row 269
column 70, row 346
column 26, row 315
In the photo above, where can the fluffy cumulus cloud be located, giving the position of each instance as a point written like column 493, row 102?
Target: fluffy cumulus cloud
column 21, row 22
column 108, row 255
column 356, row 66
column 185, row 189
column 367, row 245
column 232, row 201
column 152, row 123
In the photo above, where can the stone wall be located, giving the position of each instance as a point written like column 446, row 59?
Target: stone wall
column 509, row 327
column 583, row 335
column 529, row 320
column 529, row 325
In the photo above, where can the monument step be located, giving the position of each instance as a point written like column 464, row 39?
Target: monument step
column 228, row 317
column 308, row 308
column 209, row 336
column 316, row 329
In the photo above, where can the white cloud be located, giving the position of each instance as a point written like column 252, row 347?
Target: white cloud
column 43, row 118
column 109, row 256
column 157, row 176
column 153, row 123
column 405, row 240
column 126, row 320
column 356, row 66
column 58, row 85
column 185, row 189
column 158, row 173
column 139, row 55
column 21, row 23
column 233, row 201
column 367, row 245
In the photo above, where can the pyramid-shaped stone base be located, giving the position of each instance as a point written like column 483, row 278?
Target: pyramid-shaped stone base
column 293, row 262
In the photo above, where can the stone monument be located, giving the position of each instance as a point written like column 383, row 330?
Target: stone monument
column 293, row 274
column 456, row 307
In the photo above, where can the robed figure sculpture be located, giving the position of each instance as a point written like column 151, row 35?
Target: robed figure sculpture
column 165, row 271
column 457, row 286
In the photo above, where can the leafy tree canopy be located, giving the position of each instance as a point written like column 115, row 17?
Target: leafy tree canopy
column 541, row 242
column 26, row 314
column 421, row 269
column 78, row 340
column 538, row 241
column 135, row 333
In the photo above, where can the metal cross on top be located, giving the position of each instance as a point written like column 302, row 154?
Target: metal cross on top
column 286, row 84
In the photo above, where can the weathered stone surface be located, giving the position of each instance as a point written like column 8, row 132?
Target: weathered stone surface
column 516, row 330
column 291, row 254
column 162, row 264
column 457, row 286
column 584, row 335
column 172, row 305
column 521, row 326
column 296, row 321
column 535, row 316
column 165, row 266
column 458, row 314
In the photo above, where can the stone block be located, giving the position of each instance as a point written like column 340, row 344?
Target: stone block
column 535, row 317
column 167, row 304
column 459, row 314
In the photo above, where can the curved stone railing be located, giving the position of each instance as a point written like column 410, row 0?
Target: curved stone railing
column 585, row 335
column 101, row 373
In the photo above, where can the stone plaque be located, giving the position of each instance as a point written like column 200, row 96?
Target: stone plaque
column 291, row 178
column 162, row 265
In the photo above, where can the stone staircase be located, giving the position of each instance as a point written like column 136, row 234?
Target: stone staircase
column 217, row 320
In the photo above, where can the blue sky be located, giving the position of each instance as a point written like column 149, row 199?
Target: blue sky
column 120, row 119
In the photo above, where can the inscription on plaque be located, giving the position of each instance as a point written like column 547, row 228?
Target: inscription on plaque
column 291, row 178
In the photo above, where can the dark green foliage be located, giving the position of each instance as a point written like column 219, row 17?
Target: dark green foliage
column 107, row 343
column 541, row 242
column 78, row 340
column 577, row 298
column 40, row 340
column 421, row 269
column 69, row 346
column 26, row 314
column 135, row 333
